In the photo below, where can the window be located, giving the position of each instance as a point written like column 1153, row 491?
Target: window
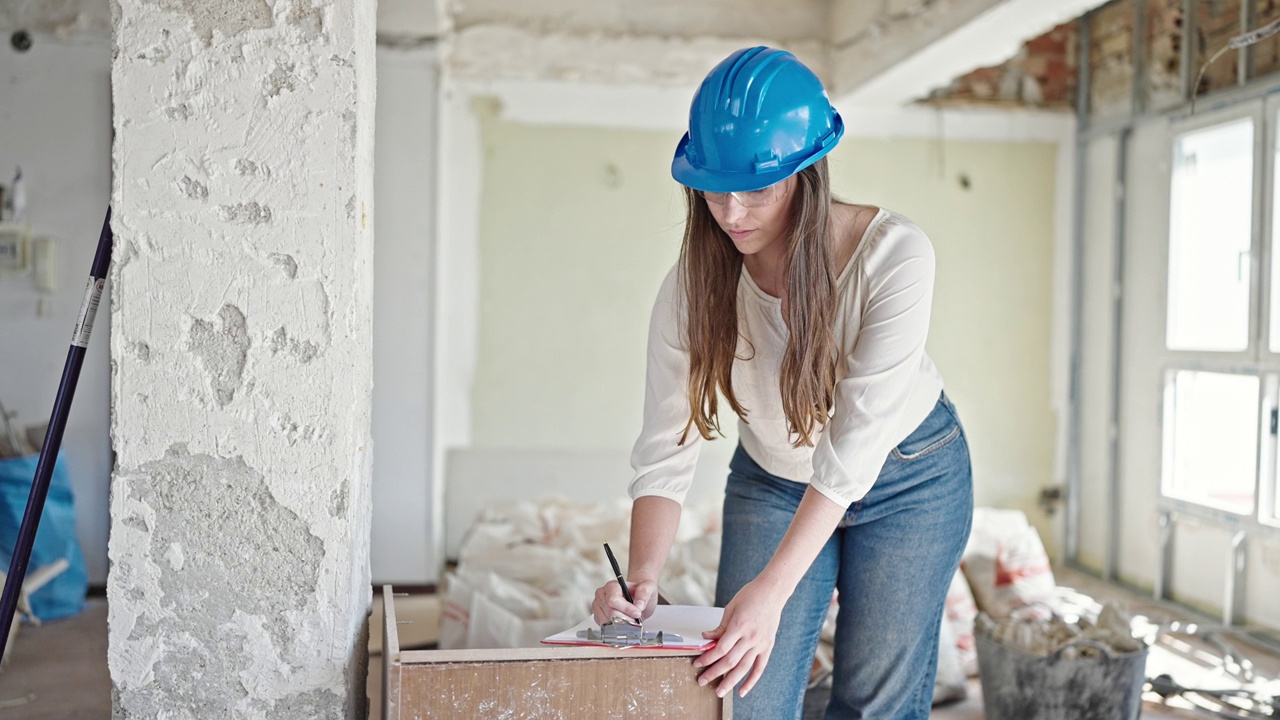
column 1215, row 367
column 1211, row 438
column 1210, row 236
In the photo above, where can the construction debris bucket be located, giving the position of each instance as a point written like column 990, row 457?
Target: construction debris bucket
column 1102, row 684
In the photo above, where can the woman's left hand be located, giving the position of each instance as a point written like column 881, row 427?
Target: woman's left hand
column 744, row 640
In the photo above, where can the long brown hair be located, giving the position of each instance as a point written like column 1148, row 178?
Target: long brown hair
column 710, row 267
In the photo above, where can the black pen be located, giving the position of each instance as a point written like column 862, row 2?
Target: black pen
column 617, row 573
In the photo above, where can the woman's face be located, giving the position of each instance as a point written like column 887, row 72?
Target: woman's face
column 753, row 220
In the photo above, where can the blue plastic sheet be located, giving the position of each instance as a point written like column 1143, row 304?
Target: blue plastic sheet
column 64, row 595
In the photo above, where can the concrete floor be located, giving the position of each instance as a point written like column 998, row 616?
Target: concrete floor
column 58, row 671
column 424, row 613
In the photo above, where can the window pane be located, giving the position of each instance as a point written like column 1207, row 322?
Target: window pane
column 1210, row 233
column 1274, row 335
column 1212, row 439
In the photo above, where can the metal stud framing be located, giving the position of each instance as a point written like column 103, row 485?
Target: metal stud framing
column 1089, row 129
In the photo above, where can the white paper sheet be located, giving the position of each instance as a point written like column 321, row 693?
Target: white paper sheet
column 687, row 621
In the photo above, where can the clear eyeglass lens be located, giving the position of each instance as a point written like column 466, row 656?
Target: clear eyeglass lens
column 751, row 198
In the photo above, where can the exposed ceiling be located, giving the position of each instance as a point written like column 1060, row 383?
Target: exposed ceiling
column 902, row 58
column 872, row 53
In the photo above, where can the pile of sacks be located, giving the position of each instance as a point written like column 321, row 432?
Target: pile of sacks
column 528, row 570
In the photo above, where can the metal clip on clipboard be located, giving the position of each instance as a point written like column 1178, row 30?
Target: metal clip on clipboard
column 625, row 634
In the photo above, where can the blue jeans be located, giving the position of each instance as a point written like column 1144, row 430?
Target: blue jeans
column 891, row 558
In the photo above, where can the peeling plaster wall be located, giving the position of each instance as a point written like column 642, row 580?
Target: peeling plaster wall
column 241, row 352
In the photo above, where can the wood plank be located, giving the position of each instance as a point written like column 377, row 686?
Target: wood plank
column 546, row 652
column 542, row 683
column 390, row 657
column 635, row 687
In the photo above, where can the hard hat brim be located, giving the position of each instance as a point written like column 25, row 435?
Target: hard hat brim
column 698, row 178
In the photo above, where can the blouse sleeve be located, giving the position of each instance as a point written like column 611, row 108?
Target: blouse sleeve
column 663, row 467
column 883, row 366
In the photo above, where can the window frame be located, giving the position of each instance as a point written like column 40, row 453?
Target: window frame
column 1262, row 134
column 1256, row 359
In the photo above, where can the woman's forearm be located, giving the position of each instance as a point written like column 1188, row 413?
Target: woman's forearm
column 654, row 521
column 814, row 521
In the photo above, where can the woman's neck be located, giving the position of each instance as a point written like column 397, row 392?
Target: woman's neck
column 848, row 225
column 768, row 269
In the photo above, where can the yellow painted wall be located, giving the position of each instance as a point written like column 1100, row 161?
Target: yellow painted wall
column 992, row 308
column 579, row 225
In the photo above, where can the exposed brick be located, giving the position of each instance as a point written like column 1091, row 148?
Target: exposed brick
column 1042, row 74
column 1266, row 54
column 1049, row 61
column 1111, row 59
column 1164, row 53
column 1217, row 21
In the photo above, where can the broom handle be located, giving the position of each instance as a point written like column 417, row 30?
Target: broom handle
column 53, row 438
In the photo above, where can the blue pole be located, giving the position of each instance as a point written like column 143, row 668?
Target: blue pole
column 53, row 438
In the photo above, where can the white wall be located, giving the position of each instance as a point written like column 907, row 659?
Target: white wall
column 1142, row 355
column 1101, row 162
column 55, row 121
column 402, row 541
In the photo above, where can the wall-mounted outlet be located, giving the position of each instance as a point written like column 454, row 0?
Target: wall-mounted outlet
column 13, row 247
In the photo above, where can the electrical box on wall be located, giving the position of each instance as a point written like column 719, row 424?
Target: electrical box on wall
column 14, row 242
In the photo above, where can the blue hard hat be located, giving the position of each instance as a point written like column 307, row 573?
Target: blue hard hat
column 759, row 117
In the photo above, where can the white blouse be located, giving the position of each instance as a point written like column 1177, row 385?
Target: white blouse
column 885, row 387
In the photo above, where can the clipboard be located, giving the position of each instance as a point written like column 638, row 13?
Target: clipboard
column 686, row 622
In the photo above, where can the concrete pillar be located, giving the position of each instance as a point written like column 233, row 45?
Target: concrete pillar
column 241, row 354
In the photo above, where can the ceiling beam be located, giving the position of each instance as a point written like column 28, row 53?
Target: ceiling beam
column 494, row 52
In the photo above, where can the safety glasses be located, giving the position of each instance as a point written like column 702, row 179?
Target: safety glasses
column 748, row 199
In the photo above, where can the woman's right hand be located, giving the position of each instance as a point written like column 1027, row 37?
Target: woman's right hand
column 609, row 603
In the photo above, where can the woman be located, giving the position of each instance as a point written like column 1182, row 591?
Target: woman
column 809, row 315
